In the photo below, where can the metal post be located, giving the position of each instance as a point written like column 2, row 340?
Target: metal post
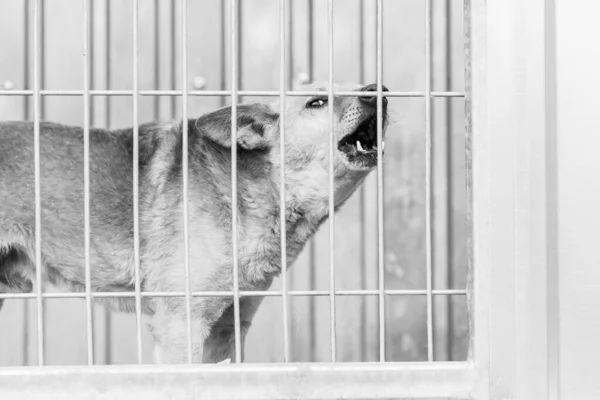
column 108, row 121
column 428, row 156
column 362, row 205
column 234, row 202
column 26, row 111
column 282, row 213
column 331, row 101
column 86, row 181
column 380, row 203
column 312, row 251
column 38, row 201
column 184, row 167
column 136, row 156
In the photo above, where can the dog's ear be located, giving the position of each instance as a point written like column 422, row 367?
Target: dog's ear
column 254, row 123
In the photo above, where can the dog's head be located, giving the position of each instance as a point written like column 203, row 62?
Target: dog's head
column 354, row 127
column 308, row 133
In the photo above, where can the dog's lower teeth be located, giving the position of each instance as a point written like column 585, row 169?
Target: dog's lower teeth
column 359, row 146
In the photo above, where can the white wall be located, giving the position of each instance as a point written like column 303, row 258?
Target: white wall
column 578, row 153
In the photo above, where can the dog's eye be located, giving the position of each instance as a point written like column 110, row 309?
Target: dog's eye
column 316, row 103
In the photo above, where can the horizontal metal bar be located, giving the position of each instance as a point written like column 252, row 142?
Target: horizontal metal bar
column 78, row 295
column 446, row 380
column 67, row 92
column 265, row 93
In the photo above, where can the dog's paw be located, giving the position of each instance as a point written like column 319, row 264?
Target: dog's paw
column 225, row 361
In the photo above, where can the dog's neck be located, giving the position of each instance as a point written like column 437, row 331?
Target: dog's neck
column 306, row 203
column 307, row 195
column 308, row 186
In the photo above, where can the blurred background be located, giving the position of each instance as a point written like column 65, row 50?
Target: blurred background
column 356, row 224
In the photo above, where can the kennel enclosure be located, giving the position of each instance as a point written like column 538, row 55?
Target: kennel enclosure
column 515, row 122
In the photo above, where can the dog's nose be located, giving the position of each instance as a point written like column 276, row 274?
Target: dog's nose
column 372, row 101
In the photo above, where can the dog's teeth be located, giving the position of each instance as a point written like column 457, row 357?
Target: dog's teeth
column 359, row 146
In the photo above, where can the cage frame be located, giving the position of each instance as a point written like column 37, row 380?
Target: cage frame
column 496, row 355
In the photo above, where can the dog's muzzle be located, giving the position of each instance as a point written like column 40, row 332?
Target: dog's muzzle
column 360, row 146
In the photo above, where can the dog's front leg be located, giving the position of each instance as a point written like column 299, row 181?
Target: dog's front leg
column 220, row 345
column 169, row 327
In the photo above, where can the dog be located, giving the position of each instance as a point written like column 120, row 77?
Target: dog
column 161, row 241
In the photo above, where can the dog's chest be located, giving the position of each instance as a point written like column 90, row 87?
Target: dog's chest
column 259, row 247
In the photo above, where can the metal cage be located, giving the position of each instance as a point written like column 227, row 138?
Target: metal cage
column 490, row 354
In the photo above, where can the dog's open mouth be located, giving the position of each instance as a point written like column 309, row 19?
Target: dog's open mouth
column 360, row 146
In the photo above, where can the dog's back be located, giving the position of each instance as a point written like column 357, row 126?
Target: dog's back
column 111, row 201
column 62, row 200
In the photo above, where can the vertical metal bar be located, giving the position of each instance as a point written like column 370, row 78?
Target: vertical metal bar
column 311, row 40
column 42, row 35
column 38, row 190
column 380, row 243
column 173, row 59
column 551, row 149
column 107, row 78
column 282, row 214
column 240, row 44
column 86, row 181
column 362, row 197
column 26, row 50
column 290, row 46
column 428, row 154
column 479, row 208
column 478, row 172
column 184, row 167
column 234, row 214
column 449, row 180
column 312, row 301
column 223, row 56
column 331, row 100
column 156, row 58
column 91, row 50
column 440, row 183
column 136, row 157
column 26, row 110
column 289, row 336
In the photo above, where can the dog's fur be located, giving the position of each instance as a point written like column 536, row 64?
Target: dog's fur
column 161, row 245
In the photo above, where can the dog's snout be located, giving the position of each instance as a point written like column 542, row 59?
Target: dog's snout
column 372, row 100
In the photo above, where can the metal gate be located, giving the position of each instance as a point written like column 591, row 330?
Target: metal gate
column 383, row 379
